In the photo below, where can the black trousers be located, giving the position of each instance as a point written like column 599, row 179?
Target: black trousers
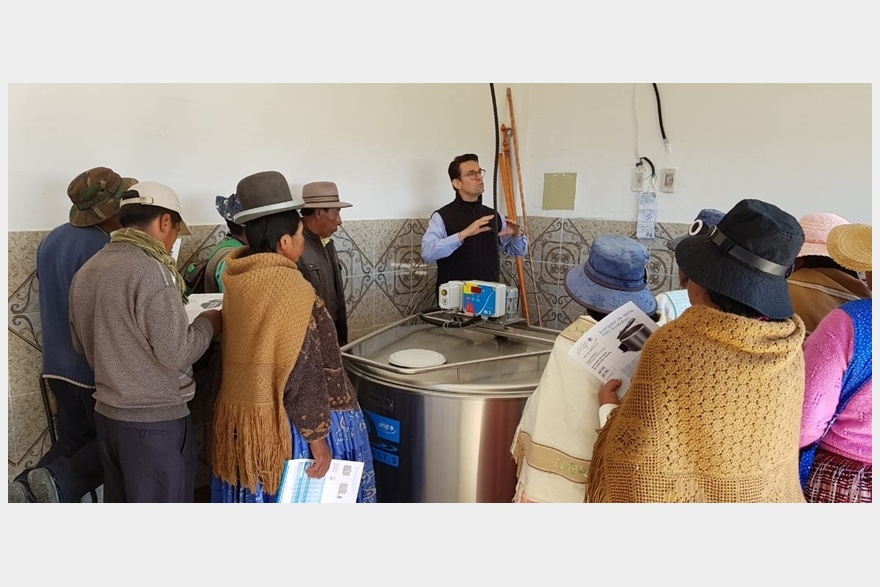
column 73, row 460
column 147, row 462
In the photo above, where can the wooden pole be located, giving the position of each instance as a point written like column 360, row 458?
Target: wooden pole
column 504, row 164
column 522, row 197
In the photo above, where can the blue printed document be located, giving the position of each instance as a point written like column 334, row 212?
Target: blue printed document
column 339, row 485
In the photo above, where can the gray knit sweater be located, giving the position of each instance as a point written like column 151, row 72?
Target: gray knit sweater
column 127, row 317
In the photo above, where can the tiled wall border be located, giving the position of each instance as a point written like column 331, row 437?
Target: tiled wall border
column 385, row 280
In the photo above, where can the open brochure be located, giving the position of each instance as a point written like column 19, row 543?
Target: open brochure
column 198, row 303
column 339, row 485
column 611, row 349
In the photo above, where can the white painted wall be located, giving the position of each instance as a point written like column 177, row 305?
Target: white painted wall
column 806, row 148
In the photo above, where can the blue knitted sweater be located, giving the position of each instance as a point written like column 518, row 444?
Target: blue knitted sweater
column 59, row 257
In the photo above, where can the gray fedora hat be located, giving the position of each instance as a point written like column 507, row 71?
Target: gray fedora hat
column 263, row 194
column 322, row 194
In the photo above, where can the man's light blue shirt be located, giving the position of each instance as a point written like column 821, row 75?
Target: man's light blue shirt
column 436, row 244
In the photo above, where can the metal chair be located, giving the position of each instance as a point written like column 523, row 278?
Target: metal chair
column 50, row 409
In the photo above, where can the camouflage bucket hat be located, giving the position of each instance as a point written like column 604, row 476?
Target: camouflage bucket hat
column 95, row 195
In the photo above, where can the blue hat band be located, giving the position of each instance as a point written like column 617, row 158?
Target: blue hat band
column 613, row 282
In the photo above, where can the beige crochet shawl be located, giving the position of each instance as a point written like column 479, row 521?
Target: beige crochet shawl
column 712, row 415
column 267, row 307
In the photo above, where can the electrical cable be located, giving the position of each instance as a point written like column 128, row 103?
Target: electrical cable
column 635, row 122
column 660, row 117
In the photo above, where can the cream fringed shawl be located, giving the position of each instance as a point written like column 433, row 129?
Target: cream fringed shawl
column 267, row 306
column 712, row 415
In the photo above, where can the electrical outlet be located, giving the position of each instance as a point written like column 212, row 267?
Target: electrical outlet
column 638, row 179
column 667, row 183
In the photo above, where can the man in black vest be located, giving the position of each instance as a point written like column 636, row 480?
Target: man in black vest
column 319, row 263
column 464, row 237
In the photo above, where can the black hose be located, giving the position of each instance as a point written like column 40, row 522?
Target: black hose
column 659, row 112
column 495, row 167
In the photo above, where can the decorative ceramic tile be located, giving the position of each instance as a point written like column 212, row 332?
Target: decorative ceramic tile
column 28, row 328
column 660, row 267
column 196, row 247
column 424, row 285
column 359, row 304
column 25, row 365
column 398, row 254
column 569, row 310
column 350, row 250
column 396, row 289
column 25, row 299
column 419, row 228
column 354, row 335
column 356, row 289
column 22, row 259
column 384, row 311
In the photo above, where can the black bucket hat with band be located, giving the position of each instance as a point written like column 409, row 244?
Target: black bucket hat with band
column 747, row 257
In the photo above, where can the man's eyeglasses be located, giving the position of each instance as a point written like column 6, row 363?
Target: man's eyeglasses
column 475, row 174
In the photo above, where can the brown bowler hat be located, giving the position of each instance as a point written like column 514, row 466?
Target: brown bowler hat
column 263, row 194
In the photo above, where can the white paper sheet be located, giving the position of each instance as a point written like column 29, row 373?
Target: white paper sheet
column 645, row 226
column 198, row 303
column 611, row 349
column 339, row 485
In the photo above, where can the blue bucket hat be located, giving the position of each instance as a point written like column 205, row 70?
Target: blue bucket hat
column 703, row 223
column 614, row 274
column 228, row 207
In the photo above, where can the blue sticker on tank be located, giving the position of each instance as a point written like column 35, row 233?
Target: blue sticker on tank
column 385, row 428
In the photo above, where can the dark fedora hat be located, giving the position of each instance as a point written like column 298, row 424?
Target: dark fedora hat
column 747, row 257
column 263, row 194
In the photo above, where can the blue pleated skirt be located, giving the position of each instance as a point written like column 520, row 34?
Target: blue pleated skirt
column 348, row 441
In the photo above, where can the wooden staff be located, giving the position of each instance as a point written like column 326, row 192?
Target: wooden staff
column 522, row 197
column 504, row 164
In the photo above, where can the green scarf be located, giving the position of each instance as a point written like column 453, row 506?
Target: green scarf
column 154, row 248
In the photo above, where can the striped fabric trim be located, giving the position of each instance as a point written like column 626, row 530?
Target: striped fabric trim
column 843, row 295
column 70, row 381
column 325, row 202
column 551, row 460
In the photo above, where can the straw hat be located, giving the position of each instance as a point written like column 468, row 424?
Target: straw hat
column 816, row 228
column 850, row 246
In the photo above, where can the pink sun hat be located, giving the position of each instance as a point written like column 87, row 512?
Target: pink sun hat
column 816, row 228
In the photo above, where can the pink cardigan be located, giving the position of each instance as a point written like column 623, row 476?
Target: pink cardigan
column 827, row 353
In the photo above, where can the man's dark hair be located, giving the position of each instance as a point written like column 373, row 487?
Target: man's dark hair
column 455, row 167
column 308, row 211
column 141, row 215
column 264, row 233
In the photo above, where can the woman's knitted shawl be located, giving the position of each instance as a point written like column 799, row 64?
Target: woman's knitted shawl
column 267, row 306
column 712, row 415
